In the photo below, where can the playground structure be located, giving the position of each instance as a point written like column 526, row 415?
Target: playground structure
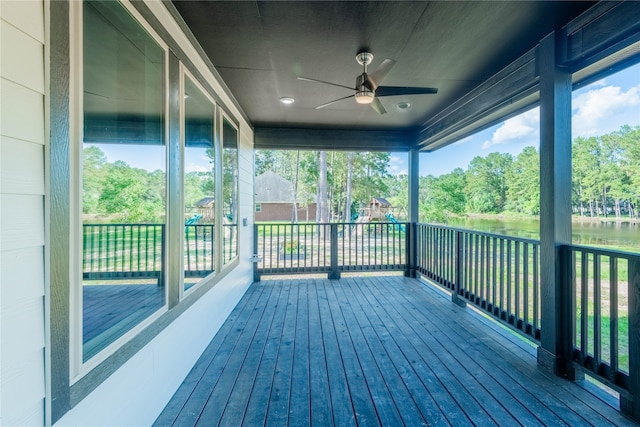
column 193, row 220
column 380, row 209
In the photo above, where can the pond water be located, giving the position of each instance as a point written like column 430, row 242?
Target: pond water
column 618, row 235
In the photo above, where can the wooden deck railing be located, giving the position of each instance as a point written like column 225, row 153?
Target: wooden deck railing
column 119, row 251
column 605, row 318
column 329, row 248
column 499, row 274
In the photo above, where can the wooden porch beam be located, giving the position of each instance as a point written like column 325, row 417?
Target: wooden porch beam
column 413, row 217
column 555, row 205
column 506, row 93
column 598, row 41
column 333, row 139
column 603, row 30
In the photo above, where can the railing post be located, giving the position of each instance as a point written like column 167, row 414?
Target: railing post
column 411, row 248
column 455, row 295
column 631, row 406
column 334, row 273
column 256, row 255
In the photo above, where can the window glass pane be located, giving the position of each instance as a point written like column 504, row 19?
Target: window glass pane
column 123, row 176
column 199, row 185
column 230, row 191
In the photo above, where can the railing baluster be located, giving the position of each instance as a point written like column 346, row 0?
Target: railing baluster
column 516, row 318
column 476, row 267
column 501, row 306
column 525, row 287
column 494, row 282
column 613, row 315
column 597, row 304
column 509, row 281
column 584, row 308
column 536, row 293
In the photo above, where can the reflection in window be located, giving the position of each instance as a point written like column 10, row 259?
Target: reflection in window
column 230, row 191
column 199, row 185
column 123, row 176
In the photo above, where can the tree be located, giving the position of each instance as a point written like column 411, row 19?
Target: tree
column 487, row 183
column 131, row 194
column 348, row 196
column 445, row 196
column 94, row 170
column 322, row 206
column 585, row 171
column 523, row 193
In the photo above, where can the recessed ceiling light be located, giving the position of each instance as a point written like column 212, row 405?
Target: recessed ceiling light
column 403, row 105
column 287, row 100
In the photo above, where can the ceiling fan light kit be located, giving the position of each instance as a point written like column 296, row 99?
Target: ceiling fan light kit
column 364, row 97
column 368, row 89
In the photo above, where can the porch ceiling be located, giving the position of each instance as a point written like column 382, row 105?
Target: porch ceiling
column 260, row 47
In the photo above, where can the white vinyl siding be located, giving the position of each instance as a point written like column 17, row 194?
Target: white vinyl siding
column 22, row 236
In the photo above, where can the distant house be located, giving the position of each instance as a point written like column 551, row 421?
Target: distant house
column 274, row 200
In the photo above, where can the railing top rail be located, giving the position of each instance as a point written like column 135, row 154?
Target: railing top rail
column 313, row 224
column 122, row 225
column 483, row 233
column 606, row 252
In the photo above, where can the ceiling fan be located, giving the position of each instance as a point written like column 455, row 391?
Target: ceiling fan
column 368, row 89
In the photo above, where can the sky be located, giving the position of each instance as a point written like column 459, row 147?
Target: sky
column 599, row 108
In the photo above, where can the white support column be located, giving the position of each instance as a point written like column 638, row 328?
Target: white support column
column 555, row 204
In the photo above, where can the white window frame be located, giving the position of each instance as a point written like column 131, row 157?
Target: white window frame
column 184, row 73
column 78, row 368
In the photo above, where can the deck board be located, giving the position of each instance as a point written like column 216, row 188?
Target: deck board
column 383, row 350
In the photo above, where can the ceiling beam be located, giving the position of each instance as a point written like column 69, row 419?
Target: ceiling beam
column 512, row 89
column 609, row 28
column 334, row 139
column 601, row 31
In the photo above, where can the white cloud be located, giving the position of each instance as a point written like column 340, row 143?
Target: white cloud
column 522, row 128
column 193, row 167
column 605, row 109
column 463, row 140
column 397, row 165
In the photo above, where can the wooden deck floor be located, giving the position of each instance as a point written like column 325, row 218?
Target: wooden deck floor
column 371, row 351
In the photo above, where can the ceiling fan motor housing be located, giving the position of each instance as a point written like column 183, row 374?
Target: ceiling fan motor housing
column 364, row 95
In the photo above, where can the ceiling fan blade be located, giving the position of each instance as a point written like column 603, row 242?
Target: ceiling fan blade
column 375, row 78
column 333, row 102
column 401, row 90
column 377, row 105
column 308, row 79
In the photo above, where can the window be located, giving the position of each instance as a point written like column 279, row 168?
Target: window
column 198, row 184
column 230, row 190
column 124, row 190
column 131, row 167
column 258, row 207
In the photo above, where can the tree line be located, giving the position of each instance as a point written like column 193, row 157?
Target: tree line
column 118, row 192
column 341, row 182
column 605, row 181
